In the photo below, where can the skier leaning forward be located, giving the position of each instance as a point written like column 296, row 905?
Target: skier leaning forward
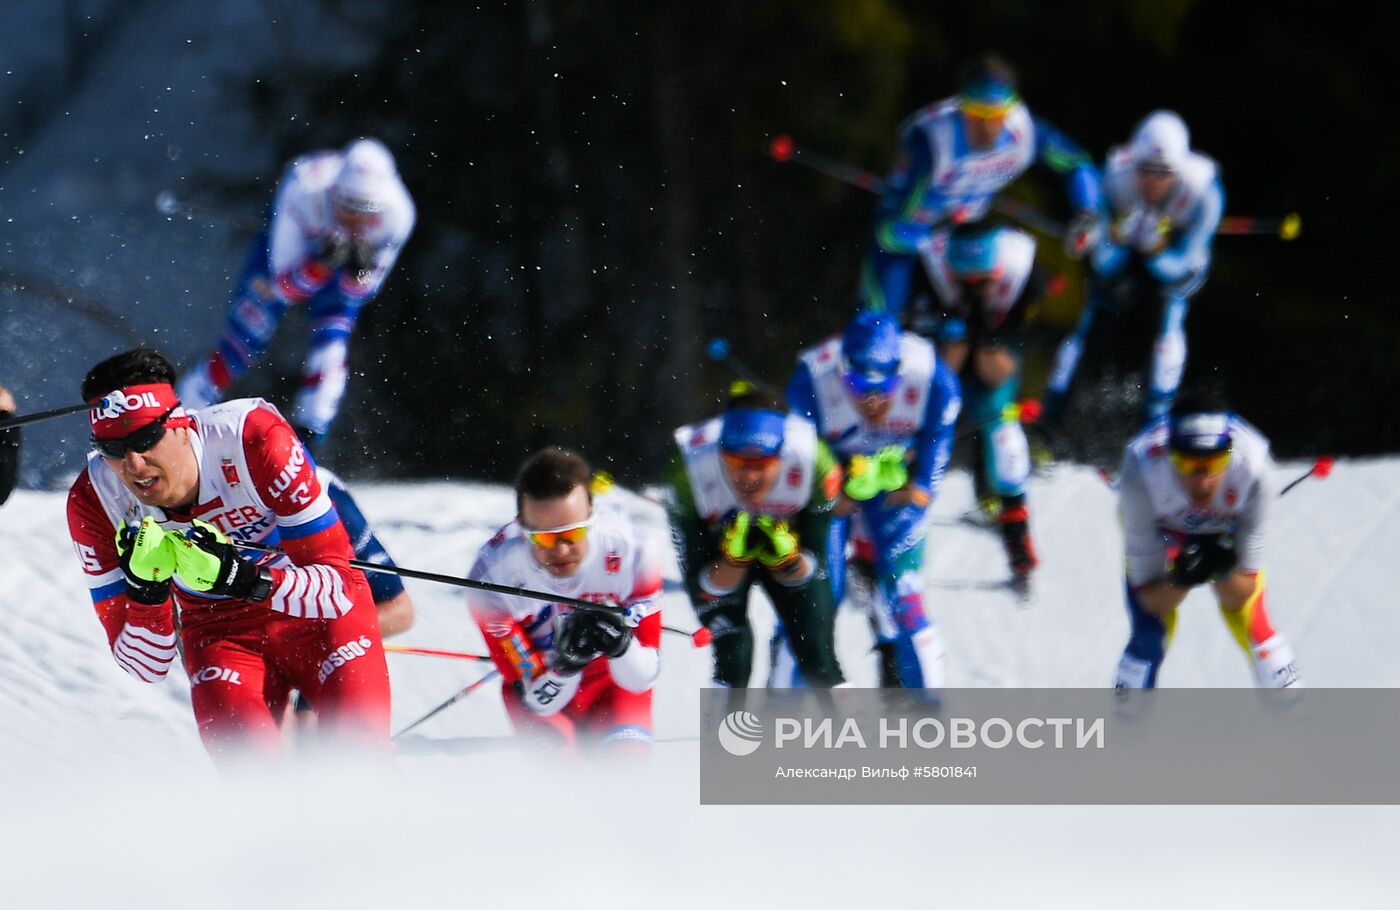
column 1196, row 487
column 151, row 516
column 575, row 680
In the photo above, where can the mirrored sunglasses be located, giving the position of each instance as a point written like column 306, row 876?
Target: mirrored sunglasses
column 549, row 538
column 143, row 440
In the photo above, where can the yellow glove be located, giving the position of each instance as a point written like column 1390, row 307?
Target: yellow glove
column 146, row 552
column 778, row 548
column 734, row 545
column 868, row 476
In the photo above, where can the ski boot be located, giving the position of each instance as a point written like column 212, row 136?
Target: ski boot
column 889, row 667
column 1016, row 534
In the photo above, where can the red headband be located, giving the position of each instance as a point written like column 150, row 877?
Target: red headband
column 124, row 411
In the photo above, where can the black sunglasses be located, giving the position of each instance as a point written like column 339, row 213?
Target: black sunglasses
column 143, row 440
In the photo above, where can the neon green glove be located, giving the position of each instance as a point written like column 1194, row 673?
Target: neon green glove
column 862, row 479
column 196, row 566
column 734, row 546
column 890, row 467
column 778, row 548
column 206, row 561
column 147, row 559
column 145, row 550
column 867, row 476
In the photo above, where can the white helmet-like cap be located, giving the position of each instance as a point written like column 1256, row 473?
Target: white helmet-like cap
column 366, row 178
column 1161, row 142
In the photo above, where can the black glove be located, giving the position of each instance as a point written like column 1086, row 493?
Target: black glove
column 333, row 251
column 610, row 633
column 138, row 589
column 573, row 643
column 581, row 635
column 210, row 564
column 1202, row 559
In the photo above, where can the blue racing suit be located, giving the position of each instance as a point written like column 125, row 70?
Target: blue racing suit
column 924, row 406
column 939, row 180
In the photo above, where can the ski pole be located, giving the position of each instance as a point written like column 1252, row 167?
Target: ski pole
column 1286, row 228
column 700, row 637
column 1024, row 411
column 458, row 582
column 1319, row 469
column 23, row 419
column 433, row 652
column 782, row 149
column 695, row 636
column 719, row 351
column 472, row 687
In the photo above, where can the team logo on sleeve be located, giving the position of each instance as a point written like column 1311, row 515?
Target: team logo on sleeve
column 230, row 472
column 612, row 562
column 295, row 462
column 794, row 477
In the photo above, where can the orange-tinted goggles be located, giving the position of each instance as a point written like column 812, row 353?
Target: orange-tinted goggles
column 1200, row 465
column 984, row 110
column 741, row 462
column 549, row 538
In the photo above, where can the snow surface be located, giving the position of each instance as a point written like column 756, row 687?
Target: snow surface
column 107, row 799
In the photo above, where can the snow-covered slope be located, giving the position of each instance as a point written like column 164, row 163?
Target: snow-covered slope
column 106, row 797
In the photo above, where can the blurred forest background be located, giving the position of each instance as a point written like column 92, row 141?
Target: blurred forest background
column 595, row 201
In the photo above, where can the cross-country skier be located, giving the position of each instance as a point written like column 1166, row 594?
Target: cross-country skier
column 886, row 404
column 1162, row 203
column 984, row 279
column 572, row 677
column 954, row 157
column 151, row 517
column 752, row 494
column 9, row 446
column 1196, row 490
column 338, row 223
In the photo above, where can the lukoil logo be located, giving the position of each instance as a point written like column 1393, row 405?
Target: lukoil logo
column 741, row 733
column 116, row 403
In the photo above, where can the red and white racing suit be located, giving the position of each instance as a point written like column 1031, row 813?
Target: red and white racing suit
column 317, row 632
column 610, row 700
